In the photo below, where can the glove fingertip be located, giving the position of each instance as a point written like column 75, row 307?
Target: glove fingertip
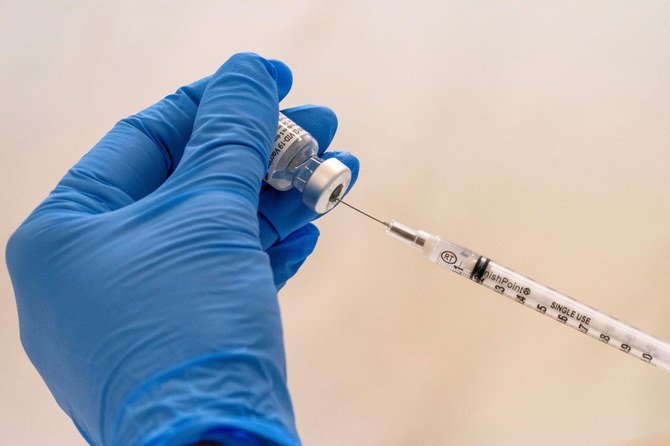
column 251, row 64
column 288, row 255
column 310, row 231
column 348, row 160
column 304, row 240
column 284, row 77
column 319, row 121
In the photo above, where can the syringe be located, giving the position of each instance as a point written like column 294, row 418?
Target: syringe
column 531, row 294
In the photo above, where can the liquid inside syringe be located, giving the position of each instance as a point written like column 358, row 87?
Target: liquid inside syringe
column 532, row 294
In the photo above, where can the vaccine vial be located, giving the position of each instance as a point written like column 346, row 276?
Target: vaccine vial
column 294, row 163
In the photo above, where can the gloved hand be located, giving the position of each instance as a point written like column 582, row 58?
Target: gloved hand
column 146, row 283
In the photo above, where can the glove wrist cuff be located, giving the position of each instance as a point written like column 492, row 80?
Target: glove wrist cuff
column 215, row 398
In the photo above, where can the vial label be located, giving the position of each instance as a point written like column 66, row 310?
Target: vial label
column 288, row 133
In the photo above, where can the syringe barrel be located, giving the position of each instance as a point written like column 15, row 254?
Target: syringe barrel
column 534, row 295
column 570, row 312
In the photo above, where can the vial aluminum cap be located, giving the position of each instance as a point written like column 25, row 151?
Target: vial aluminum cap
column 328, row 183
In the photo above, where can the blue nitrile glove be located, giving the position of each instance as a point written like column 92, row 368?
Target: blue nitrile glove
column 145, row 295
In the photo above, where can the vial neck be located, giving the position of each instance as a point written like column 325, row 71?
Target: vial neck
column 304, row 171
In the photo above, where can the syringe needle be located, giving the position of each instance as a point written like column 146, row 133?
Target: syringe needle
column 364, row 213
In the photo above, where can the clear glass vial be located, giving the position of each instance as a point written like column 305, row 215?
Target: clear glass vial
column 294, row 162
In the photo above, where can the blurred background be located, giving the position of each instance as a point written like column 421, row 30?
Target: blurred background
column 537, row 133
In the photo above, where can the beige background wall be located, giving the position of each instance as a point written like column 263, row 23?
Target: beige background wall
column 535, row 132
